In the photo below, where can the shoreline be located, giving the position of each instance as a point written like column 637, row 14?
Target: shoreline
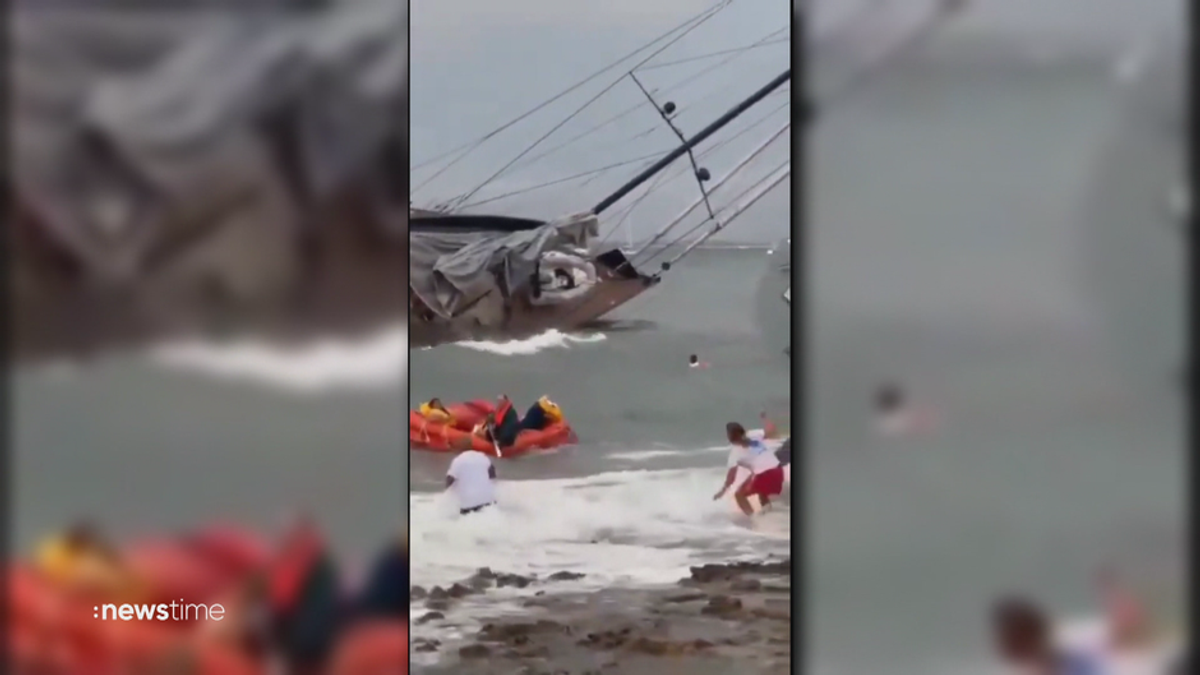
column 722, row 618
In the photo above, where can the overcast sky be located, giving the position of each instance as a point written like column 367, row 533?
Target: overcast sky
column 478, row 63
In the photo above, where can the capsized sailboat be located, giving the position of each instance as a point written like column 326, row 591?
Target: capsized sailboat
column 485, row 276
column 218, row 200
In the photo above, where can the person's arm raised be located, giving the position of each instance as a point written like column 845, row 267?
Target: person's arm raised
column 770, row 431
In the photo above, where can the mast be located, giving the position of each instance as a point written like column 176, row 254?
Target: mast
column 714, row 187
column 692, row 142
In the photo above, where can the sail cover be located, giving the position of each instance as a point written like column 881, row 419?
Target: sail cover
column 451, row 271
column 129, row 121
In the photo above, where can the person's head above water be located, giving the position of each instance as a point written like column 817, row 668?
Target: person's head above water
column 736, row 433
column 889, row 398
column 694, row 360
column 1021, row 630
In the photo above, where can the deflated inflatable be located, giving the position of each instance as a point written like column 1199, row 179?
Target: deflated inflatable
column 52, row 631
column 55, row 631
column 457, row 435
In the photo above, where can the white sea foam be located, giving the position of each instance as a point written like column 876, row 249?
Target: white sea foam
column 627, row 528
column 376, row 361
column 551, row 339
column 652, row 454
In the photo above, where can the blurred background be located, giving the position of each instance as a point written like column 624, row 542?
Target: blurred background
column 208, row 256
column 998, row 227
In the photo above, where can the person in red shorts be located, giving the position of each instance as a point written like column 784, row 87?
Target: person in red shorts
column 751, row 452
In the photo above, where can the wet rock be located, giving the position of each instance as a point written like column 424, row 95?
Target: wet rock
column 705, row 574
column 775, row 614
column 565, row 576
column 482, row 579
column 740, row 610
column 643, row 645
column 520, row 633
column 425, row 645
column 606, row 640
column 722, row 606
column 513, row 580
column 685, row 597
column 475, row 651
column 535, row 652
column 429, row 616
column 746, row 585
column 417, row 593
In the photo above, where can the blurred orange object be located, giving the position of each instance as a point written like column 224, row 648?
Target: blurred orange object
column 374, row 648
column 54, row 629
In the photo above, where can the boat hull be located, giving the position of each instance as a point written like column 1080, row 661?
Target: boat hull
column 525, row 320
column 349, row 279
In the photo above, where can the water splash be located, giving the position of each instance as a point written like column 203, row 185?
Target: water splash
column 375, row 362
column 551, row 339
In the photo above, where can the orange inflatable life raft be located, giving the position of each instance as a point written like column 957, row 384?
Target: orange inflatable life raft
column 438, row 436
column 57, row 632
column 373, row 648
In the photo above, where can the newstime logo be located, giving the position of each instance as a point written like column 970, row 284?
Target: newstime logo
column 163, row 611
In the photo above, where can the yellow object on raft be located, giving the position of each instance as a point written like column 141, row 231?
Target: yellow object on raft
column 434, row 415
column 550, row 408
column 66, row 563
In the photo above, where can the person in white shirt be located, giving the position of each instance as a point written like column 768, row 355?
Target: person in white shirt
column 751, row 453
column 471, row 477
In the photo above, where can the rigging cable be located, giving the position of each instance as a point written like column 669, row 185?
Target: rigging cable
column 701, row 57
column 756, row 191
column 736, row 170
column 591, row 174
column 944, row 11
column 559, row 181
column 472, row 144
column 579, row 110
column 694, row 105
column 667, row 177
column 463, row 150
column 673, row 87
column 700, row 174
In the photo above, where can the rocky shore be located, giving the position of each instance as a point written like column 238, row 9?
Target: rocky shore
column 723, row 618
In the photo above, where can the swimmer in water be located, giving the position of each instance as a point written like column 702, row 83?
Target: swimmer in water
column 1023, row 637
column 695, row 362
column 895, row 416
column 889, row 407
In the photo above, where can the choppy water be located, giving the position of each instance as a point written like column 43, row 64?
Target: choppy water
column 191, row 433
column 958, row 247
column 961, row 246
column 632, row 503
